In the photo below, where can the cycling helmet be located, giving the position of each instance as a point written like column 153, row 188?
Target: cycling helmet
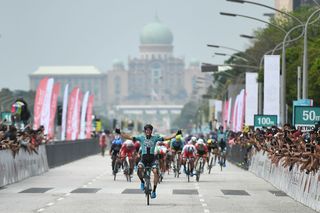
column 178, row 138
column 200, row 140
column 129, row 144
column 148, row 126
column 193, row 138
column 209, row 141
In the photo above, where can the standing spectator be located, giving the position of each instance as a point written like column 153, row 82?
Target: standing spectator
column 103, row 143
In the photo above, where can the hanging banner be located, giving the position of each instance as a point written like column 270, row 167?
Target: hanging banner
column 72, row 104
column 83, row 116
column 251, row 98
column 53, row 109
column 38, row 102
column 45, row 112
column 64, row 113
column 240, row 111
column 89, row 117
column 271, row 101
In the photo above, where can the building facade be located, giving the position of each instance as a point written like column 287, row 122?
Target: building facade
column 290, row 5
column 153, row 88
column 155, row 78
column 87, row 78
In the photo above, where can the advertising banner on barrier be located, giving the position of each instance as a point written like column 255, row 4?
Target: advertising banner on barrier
column 251, row 97
column 271, row 99
column 38, row 102
column 53, row 109
column 64, row 112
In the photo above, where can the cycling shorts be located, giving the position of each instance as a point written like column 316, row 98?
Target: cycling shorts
column 188, row 155
column 202, row 153
column 148, row 160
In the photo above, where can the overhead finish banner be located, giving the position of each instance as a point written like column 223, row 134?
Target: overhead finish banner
column 251, row 98
column 271, row 100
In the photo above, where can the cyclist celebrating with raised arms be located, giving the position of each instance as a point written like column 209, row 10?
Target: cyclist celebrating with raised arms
column 148, row 143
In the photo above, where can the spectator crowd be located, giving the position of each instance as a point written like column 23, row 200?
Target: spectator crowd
column 14, row 139
column 285, row 146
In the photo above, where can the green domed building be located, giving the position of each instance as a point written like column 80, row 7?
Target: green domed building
column 156, row 84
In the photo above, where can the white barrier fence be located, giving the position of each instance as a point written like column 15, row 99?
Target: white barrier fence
column 24, row 165
column 302, row 187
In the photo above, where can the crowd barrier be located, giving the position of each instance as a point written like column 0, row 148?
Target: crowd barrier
column 23, row 165
column 237, row 154
column 62, row 152
column 302, row 187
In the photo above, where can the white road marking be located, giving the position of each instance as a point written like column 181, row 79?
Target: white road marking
column 206, row 211
column 202, row 200
column 204, row 204
column 200, row 195
column 68, row 194
column 60, row 198
column 50, row 204
column 89, row 183
column 40, row 210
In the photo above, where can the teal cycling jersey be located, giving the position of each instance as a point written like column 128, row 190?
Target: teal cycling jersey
column 222, row 135
column 148, row 145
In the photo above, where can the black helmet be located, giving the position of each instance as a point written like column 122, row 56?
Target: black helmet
column 148, row 126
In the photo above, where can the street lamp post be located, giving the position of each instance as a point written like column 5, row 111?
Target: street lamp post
column 253, row 18
column 232, row 56
column 283, row 70
column 305, row 58
column 247, row 36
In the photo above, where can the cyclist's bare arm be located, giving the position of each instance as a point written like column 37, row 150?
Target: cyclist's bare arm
column 126, row 136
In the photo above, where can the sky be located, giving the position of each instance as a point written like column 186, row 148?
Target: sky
column 37, row 33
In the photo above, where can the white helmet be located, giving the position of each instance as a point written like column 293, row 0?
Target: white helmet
column 200, row 140
column 129, row 143
column 193, row 138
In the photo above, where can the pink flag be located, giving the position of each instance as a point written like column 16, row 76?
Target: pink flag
column 89, row 117
column 225, row 114
column 38, row 102
column 53, row 109
column 71, row 109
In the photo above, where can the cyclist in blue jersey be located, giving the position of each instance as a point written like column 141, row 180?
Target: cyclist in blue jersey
column 115, row 149
column 148, row 143
column 222, row 141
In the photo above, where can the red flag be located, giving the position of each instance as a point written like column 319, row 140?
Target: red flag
column 89, row 117
column 38, row 102
column 53, row 109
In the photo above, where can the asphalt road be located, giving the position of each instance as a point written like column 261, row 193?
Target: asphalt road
column 87, row 185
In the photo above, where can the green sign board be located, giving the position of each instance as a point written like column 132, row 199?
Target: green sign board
column 265, row 121
column 306, row 117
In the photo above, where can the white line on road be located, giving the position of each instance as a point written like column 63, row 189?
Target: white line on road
column 206, row 211
column 89, row 183
column 204, row 204
column 50, row 204
column 202, row 200
column 68, row 194
column 60, row 198
column 40, row 210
